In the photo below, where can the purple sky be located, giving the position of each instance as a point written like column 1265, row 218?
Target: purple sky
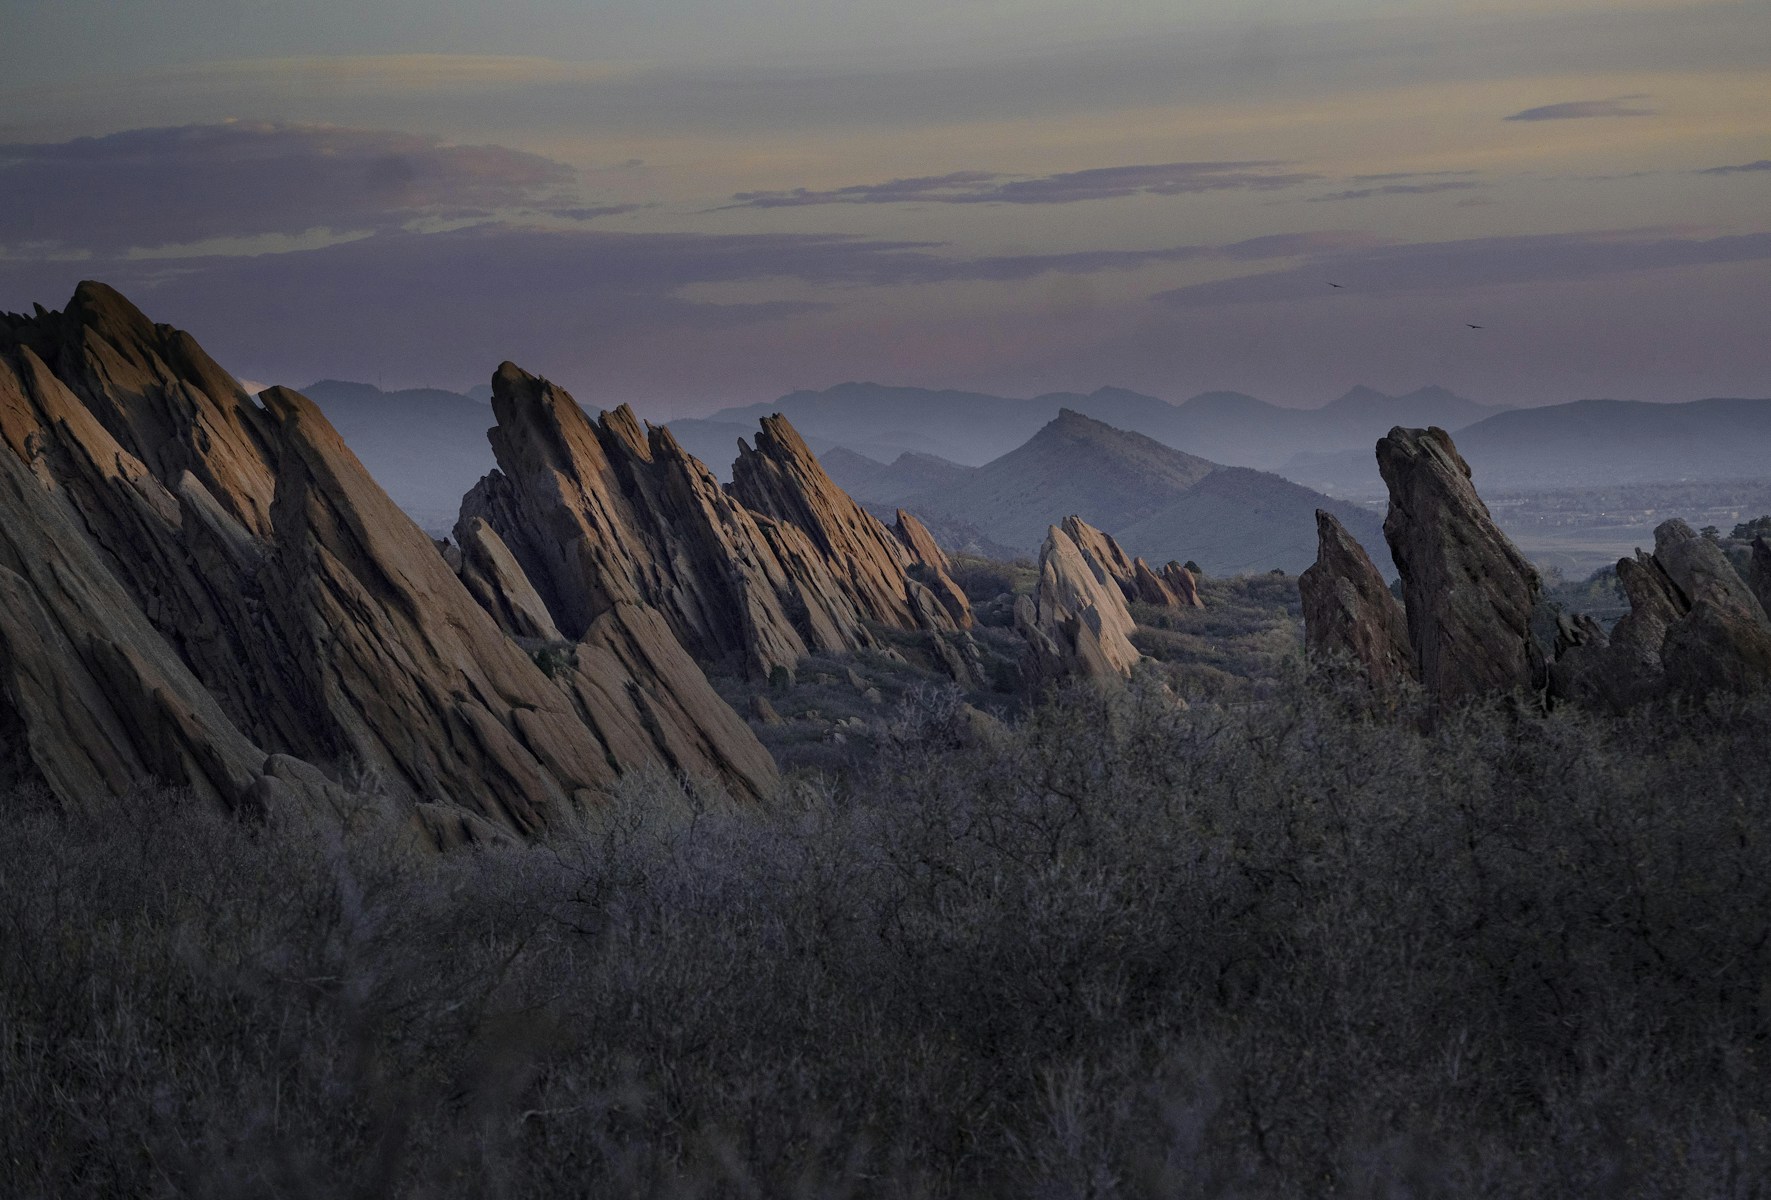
column 711, row 202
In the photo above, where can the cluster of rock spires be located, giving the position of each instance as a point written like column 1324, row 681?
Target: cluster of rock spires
column 1077, row 624
column 210, row 591
column 592, row 515
column 1473, row 621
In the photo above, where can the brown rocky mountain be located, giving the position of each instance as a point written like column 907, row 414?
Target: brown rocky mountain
column 207, row 590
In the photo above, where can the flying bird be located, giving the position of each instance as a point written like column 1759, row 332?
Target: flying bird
column 1468, row 325
column 1332, row 283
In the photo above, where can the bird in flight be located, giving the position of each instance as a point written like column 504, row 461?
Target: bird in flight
column 1332, row 283
column 1472, row 326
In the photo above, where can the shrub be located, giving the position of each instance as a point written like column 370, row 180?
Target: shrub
column 1121, row 948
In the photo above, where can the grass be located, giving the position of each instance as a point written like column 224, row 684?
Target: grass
column 1120, row 949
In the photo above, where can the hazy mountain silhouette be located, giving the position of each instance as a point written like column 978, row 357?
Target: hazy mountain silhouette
column 1160, row 502
column 899, row 482
column 975, row 428
column 1588, row 443
column 425, row 446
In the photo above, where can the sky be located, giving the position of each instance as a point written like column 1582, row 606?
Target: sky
column 688, row 204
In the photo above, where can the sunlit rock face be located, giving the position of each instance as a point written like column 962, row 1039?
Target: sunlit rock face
column 1077, row 624
column 603, row 511
column 212, row 592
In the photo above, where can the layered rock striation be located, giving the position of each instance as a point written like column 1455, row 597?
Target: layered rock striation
column 602, row 512
column 213, row 592
column 1077, row 624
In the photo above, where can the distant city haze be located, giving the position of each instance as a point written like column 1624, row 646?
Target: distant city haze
column 704, row 205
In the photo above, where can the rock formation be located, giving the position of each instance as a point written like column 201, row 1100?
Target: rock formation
column 1349, row 611
column 930, row 567
column 1174, row 588
column 1759, row 572
column 1469, row 595
column 597, row 513
column 200, row 589
column 1078, row 624
column 1476, row 625
column 1693, row 627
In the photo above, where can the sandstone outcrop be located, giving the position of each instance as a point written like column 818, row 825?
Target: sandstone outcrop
column 233, row 586
column 930, row 566
column 781, row 478
column 1175, row 587
column 601, row 512
column 1469, row 595
column 1078, row 624
column 1348, row 610
column 1184, row 584
column 1693, row 627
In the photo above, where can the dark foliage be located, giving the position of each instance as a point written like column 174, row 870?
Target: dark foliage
column 1122, row 949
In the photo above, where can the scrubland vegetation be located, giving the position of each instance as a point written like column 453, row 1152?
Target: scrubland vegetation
column 1119, row 949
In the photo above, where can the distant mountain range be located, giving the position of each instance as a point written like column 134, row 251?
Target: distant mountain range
column 425, row 447
column 1159, row 502
column 974, row 428
column 1588, row 443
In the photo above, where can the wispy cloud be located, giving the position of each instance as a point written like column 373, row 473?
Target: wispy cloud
column 149, row 188
column 1070, row 187
column 1574, row 110
column 1403, row 189
column 1764, row 164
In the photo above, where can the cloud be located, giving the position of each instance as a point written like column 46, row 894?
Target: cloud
column 1070, row 187
column 1572, row 110
column 1449, row 268
column 598, row 210
column 1403, row 189
column 197, row 183
column 1764, row 164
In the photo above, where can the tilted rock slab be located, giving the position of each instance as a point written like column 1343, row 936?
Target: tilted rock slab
column 781, row 478
column 605, row 512
column 1349, row 610
column 308, row 608
column 930, row 566
column 1469, row 594
column 1175, row 587
column 1078, row 624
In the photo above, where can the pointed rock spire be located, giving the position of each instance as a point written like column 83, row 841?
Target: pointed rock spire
column 1349, row 611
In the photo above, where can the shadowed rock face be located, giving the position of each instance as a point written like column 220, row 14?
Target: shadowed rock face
column 599, row 513
column 1469, row 594
column 1348, row 609
column 1693, row 627
column 1078, row 625
column 241, row 596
